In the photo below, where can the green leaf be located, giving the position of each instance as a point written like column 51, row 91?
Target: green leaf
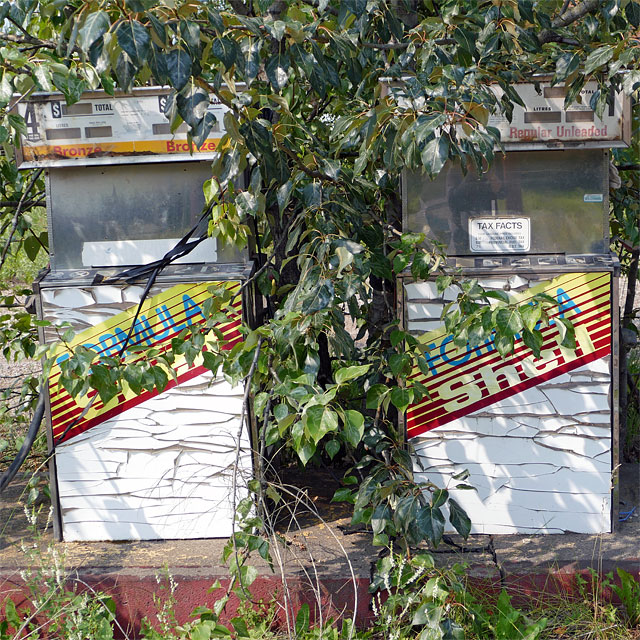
column 435, row 154
column 566, row 64
column 31, row 247
column 401, row 398
column 125, row 71
column 93, row 28
column 533, row 340
column 632, row 13
column 319, row 297
column 631, row 81
column 380, row 518
column 397, row 337
column 251, row 61
column 357, row 7
column 319, row 421
column 332, row 448
column 302, row 621
column 439, row 497
column 70, row 85
column 192, row 105
column 226, row 50
column 401, row 261
column 353, row 427
column 178, row 68
column 349, row 373
column 459, row 518
column 6, row 89
column 497, row 294
column 239, row 626
column 277, row 70
column 399, row 363
column 160, row 378
column 135, row 40
column 421, row 265
column 11, row 614
column 343, row 495
column 190, row 32
column 597, row 58
column 504, row 344
column 567, row 333
column 531, row 314
column 280, row 412
column 375, row 395
column 211, row 361
column 509, row 321
column 431, row 523
column 100, row 379
column 345, row 258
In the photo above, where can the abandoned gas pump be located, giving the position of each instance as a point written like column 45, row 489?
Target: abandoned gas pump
column 122, row 191
column 538, row 436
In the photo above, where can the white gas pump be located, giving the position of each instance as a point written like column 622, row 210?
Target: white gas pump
column 537, row 435
column 123, row 191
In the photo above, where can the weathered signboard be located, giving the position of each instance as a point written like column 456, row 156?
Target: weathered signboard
column 545, row 121
column 103, row 129
column 161, row 319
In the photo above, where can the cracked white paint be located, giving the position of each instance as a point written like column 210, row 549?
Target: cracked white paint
column 170, row 479
column 540, row 460
column 163, row 469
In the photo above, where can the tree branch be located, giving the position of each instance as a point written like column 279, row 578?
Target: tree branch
column 565, row 6
column 16, row 215
column 565, row 18
column 25, row 205
column 390, row 46
column 28, row 40
column 575, row 13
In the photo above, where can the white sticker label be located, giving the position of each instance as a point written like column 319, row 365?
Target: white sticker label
column 593, row 197
column 499, row 235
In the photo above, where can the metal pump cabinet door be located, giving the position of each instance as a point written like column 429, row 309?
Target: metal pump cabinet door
column 150, row 465
column 534, row 434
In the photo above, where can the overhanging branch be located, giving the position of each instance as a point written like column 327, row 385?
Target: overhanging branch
column 564, row 19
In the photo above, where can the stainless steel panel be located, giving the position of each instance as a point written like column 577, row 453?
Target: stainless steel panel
column 116, row 204
column 564, row 195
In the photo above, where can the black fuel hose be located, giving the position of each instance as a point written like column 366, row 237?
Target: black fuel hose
column 30, row 438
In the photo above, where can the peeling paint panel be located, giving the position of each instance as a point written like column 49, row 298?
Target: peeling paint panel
column 147, row 482
column 162, row 469
column 539, row 458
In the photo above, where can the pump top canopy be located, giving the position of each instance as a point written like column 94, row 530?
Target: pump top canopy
column 545, row 123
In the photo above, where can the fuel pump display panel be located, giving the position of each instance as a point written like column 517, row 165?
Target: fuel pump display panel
column 534, row 202
column 101, row 129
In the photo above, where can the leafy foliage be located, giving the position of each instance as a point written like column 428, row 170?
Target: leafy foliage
column 321, row 144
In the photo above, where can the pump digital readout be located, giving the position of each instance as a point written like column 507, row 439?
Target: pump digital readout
column 101, row 129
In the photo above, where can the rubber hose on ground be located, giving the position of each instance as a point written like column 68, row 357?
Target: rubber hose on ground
column 10, row 473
